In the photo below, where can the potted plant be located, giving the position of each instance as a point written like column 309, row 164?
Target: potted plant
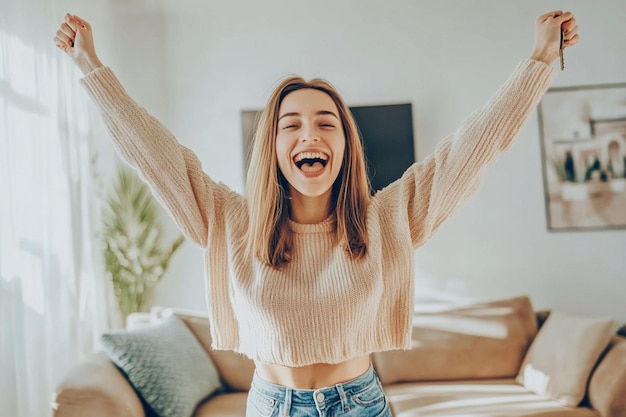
column 618, row 176
column 571, row 183
column 135, row 258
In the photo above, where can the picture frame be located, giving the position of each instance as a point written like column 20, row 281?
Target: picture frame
column 583, row 150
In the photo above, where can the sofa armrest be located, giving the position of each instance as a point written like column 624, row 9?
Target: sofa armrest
column 96, row 388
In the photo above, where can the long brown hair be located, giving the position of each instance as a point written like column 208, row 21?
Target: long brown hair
column 267, row 189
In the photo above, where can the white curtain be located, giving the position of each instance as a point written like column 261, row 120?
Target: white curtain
column 52, row 299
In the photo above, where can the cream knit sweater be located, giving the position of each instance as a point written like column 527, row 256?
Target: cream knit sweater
column 323, row 307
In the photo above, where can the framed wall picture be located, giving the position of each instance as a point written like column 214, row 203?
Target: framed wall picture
column 386, row 133
column 583, row 149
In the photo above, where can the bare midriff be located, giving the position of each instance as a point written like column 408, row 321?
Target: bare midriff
column 318, row 375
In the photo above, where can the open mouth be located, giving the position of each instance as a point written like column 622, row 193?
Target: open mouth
column 311, row 161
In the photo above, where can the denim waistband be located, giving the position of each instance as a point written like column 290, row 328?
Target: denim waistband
column 328, row 395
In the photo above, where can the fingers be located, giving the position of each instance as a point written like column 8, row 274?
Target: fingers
column 64, row 38
column 564, row 17
column 549, row 15
column 570, row 26
column 70, row 22
column 567, row 22
column 571, row 42
column 69, row 29
column 558, row 15
column 63, row 41
column 67, row 32
column 81, row 22
column 570, row 31
column 61, row 44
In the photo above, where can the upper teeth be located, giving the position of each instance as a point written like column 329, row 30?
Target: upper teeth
column 310, row 155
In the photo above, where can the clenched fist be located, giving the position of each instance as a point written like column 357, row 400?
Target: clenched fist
column 75, row 38
column 548, row 35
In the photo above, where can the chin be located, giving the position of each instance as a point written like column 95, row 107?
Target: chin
column 312, row 193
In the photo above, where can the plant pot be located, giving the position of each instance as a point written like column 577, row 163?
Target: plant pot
column 618, row 185
column 571, row 191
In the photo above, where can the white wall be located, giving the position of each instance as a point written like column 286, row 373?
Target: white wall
column 445, row 57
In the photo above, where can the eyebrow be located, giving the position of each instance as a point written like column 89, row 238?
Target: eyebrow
column 321, row 112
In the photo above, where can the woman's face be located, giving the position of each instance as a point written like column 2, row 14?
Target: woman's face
column 309, row 142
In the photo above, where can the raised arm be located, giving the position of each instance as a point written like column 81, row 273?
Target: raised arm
column 431, row 191
column 173, row 172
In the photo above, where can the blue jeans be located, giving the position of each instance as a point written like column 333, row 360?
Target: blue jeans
column 362, row 396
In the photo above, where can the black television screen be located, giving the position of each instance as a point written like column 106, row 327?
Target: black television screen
column 386, row 132
column 387, row 135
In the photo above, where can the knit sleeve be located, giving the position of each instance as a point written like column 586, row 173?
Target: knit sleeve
column 431, row 191
column 172, row 171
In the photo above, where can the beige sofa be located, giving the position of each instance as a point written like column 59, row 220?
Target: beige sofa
column 465, row 362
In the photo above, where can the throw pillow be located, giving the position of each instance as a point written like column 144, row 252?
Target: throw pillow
column 481, row 340
column 165, row 364
column 607, row 387
column 561, row 357
column 235, row 369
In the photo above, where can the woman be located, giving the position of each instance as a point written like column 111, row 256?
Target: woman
column 308, row 274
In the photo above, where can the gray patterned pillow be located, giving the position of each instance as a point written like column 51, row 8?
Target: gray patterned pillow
column 165, row 364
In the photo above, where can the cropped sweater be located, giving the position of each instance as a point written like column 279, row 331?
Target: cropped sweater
column 323, row 307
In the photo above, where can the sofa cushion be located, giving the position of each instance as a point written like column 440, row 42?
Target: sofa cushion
column 236, row 370
column 478, row 398
column 483, row 340
column 165, row 364
column 607, row 388
column 224, row 405
column 561, row 357
column 95, row 387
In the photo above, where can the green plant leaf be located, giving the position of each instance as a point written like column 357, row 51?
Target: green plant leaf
column 131, row 234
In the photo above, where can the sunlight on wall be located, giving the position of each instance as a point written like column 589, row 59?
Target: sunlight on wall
column 19, row 90
column 51, row 312
column 29, row 131
column 21, row 71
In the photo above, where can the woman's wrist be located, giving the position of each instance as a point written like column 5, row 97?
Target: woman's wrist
column 88, row 63
column 547, row 57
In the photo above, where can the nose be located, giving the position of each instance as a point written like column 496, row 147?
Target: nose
column 308, row 135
